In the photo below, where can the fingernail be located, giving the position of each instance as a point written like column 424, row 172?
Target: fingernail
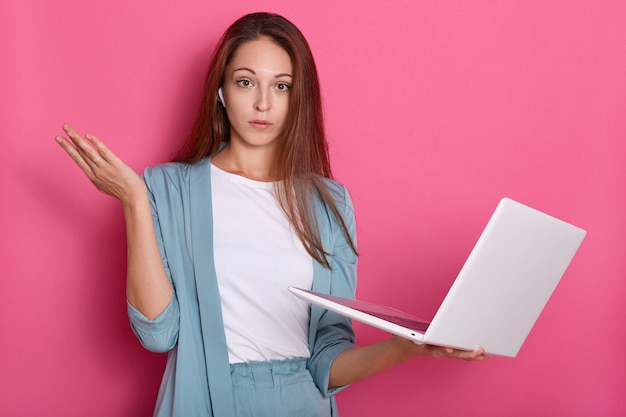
column 58, row 139
column 66, row 127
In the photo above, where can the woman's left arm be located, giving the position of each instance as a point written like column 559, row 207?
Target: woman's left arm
column 359, row 362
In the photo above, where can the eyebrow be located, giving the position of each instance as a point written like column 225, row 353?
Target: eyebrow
column 284, row 74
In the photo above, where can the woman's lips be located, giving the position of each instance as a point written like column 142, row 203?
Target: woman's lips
column 260, row 124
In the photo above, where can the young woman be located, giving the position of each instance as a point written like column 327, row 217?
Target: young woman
column 247, row 208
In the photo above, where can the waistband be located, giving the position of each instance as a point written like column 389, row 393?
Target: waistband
column 270, row 373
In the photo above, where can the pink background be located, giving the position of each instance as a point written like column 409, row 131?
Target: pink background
column 435, row 110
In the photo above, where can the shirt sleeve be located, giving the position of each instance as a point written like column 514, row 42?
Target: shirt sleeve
column 334, row 332
column 161, row 333
column 158, row 335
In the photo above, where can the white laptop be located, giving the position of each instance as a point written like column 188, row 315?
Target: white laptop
column 497, row 296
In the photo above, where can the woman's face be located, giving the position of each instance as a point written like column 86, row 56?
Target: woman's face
column 257, row 84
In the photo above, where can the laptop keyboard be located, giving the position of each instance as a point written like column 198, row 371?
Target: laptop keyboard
column 420, row 326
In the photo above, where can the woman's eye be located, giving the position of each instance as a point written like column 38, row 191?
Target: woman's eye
column 283, row 87
column 244, row 83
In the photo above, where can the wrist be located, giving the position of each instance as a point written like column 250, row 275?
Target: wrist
column 135, row 198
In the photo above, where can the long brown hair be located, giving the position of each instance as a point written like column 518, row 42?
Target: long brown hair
column 302, row 153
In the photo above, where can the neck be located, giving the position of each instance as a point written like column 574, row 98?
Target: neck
column 253, row 163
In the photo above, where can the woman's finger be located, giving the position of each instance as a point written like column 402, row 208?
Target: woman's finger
column 76, row 156
column 83, row 147
column 103, row 151
column 472, row 355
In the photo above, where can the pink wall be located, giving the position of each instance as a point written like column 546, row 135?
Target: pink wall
column 435, row 110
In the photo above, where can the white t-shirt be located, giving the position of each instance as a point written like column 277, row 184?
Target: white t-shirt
column 257, row 256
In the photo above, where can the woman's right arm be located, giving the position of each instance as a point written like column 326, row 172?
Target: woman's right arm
column 148, row 288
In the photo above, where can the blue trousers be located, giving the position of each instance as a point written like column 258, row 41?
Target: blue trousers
column 276, row 389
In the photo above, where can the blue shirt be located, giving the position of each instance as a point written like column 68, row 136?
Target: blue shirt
column 197, row 376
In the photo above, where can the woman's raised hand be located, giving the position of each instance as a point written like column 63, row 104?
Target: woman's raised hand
column 104, row 169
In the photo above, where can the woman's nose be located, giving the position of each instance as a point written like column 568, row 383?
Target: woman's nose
column 262, row 101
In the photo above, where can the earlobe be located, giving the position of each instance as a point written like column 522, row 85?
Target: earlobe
column 220, row 96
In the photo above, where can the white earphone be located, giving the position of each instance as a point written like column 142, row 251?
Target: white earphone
column 220, row 95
